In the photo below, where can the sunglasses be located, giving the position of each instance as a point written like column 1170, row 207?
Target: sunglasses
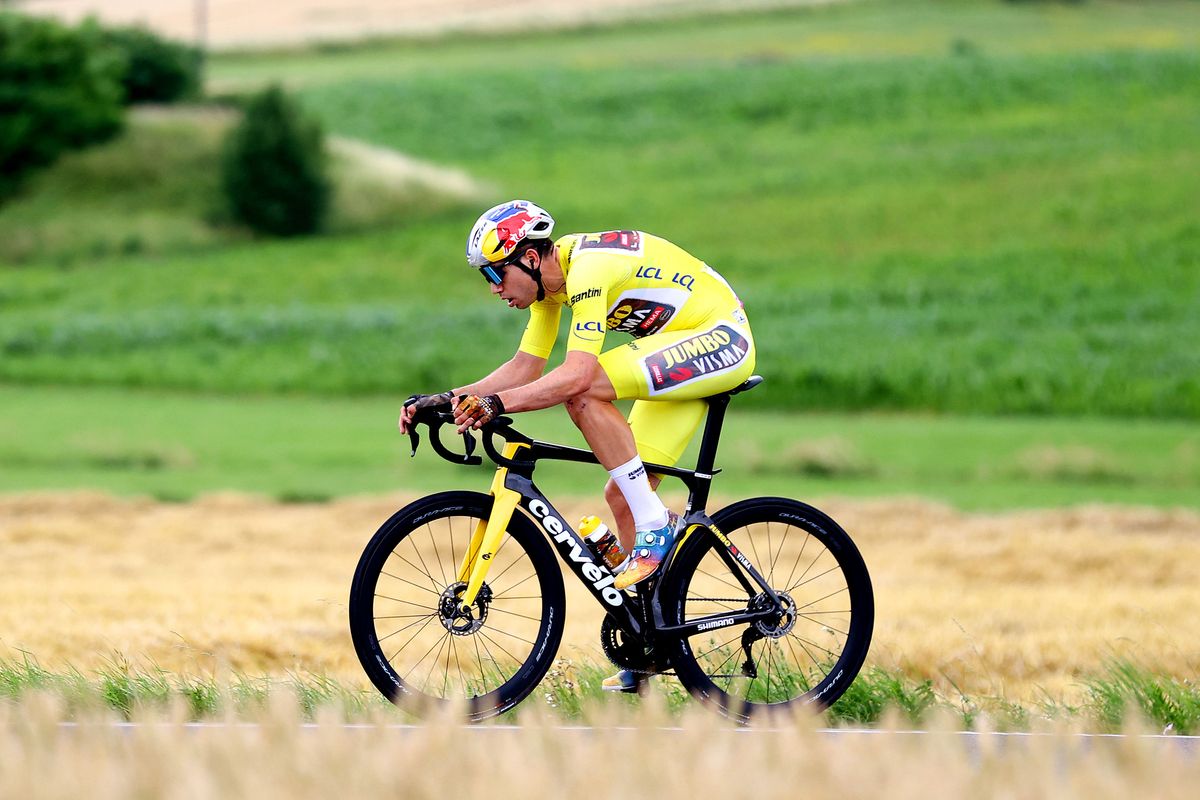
column 493, row 274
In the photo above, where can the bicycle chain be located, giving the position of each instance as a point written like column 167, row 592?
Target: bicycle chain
column 671, row 671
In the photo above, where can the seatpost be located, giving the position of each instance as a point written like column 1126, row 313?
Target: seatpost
column 707, row 457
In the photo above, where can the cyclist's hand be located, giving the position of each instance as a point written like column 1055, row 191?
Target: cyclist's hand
column 474, row 411
column 418, row 402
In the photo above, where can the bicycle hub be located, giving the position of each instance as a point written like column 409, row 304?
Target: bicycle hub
column 457, row 617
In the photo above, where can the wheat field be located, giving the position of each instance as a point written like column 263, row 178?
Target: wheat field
column 1019, row 605
column 696, row 756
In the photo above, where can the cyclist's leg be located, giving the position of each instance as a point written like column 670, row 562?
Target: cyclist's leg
column 602, row 424
column 609, row 435
column 668, row 373
column 662, row 431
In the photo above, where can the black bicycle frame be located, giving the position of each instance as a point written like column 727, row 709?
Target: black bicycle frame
column 642, row 615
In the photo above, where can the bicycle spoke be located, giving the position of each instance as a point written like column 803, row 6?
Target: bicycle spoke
column 807, row 652
column 538, row 620
column 754, row 547
column 792, row 648
column 722, row 580
column 437, row 553
column 407, row 643
column 502, row 649
column 819, row 599
column 436, row 642
column 718, row 647
column 815, row 577
column 770, row 547
column 510, row 566
column 779, row 552
column 479, row 659
column 512, row 635
column 410, row 583
column 398, row 630
column 803, row 546
column 432, row 581
column 446, row 671
column 398, row 600
column 770, row 650
column 436, row 658
column 716, row 673
column 458, row 663
column 412, row 541
column 515, row 585
column 825, row 625
column 804, row 641
column 814, row 561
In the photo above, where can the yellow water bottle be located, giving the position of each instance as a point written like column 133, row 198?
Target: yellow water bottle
column 601, row 541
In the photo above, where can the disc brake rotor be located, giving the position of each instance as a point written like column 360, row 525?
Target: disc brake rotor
column 460, row 619
column 778, row 626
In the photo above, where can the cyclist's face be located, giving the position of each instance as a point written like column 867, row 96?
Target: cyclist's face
column 517, row 287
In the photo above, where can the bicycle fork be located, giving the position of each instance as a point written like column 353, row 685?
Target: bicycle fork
column 485, row 540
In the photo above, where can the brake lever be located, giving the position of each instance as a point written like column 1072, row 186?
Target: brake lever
column 469, row 443
column 415, row 439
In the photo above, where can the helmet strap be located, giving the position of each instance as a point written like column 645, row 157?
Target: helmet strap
column 536, row 274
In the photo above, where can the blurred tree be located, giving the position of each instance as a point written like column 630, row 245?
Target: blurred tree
column 60, row 88
column 158, row 70
column 274, row 169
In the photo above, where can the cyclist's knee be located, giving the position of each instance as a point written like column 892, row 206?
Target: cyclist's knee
column 577, row 405
column 597, row 392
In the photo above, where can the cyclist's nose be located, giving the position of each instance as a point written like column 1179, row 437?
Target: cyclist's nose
column 496, row 287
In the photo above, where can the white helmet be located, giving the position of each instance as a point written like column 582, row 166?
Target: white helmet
column 500, row 229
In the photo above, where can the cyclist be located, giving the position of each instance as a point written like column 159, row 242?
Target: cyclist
column 691, row 340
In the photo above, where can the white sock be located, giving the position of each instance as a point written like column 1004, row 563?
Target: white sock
column 649, row 512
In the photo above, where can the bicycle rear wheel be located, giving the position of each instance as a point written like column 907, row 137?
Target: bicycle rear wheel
column 418, row 648
column 813, row 651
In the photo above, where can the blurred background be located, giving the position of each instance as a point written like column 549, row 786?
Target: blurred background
column 971, row 224
column 967, row 234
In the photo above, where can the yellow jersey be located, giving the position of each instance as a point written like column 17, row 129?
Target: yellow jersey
column 627, row 282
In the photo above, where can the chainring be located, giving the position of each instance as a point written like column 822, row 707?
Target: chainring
column 624, row 650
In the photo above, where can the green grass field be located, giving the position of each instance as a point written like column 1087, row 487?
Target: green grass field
column 175, row 445
column 930, row 209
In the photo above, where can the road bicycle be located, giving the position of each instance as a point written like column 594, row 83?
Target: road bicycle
column 765, row 605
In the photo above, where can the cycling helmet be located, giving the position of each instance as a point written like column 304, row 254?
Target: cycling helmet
column 498, row 233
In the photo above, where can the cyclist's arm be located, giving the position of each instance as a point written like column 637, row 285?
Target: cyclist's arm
column 588, row 283
column 525, row 366
column 571, row 378
column 519, row 370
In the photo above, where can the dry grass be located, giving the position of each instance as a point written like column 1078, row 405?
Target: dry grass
column 280, row 758
column 1020, row 605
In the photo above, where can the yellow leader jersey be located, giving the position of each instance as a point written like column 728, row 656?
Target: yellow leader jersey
column 627, row 282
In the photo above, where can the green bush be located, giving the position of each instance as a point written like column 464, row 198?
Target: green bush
column 274, row 170
column 60, row 88
column 158, row 70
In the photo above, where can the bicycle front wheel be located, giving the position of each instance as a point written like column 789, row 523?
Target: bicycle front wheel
column 419, row 647
column 808, row 654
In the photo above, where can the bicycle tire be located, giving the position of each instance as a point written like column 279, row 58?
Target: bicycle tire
column 832, row 641
column 407, row 573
